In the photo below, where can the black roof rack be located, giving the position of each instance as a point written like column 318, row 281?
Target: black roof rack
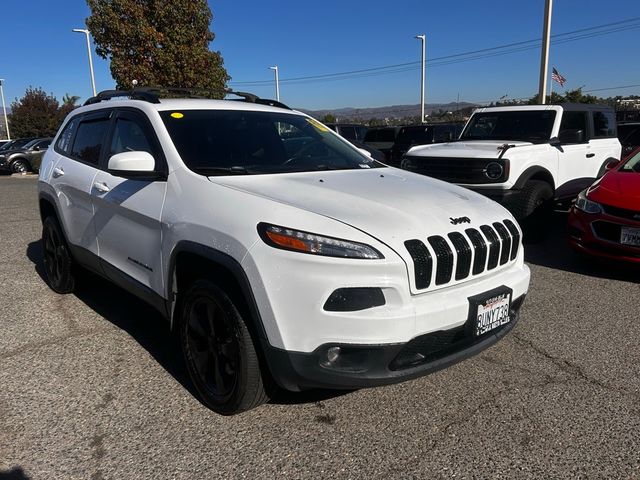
column 153, row 95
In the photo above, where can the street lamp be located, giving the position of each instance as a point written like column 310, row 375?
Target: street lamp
column 4, row 108
column 423, row 38
column 93, row 80
column 275, row 69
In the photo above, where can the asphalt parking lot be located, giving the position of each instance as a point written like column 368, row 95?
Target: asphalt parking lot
column 92, row 386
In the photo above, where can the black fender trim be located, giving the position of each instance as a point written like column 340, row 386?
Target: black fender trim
column 529, row 173
column 224, row 260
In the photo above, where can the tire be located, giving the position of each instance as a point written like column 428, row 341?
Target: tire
column 20, row 166
column 218, row 350
column 58, row 264
column 534, row 197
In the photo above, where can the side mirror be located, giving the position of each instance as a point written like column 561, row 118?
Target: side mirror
column 132, row 164
column 611, row 163
column 571, row 136
column 365, row 152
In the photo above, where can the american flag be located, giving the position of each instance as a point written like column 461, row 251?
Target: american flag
column 557, row 77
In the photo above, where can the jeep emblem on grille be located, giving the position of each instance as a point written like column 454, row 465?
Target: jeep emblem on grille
column 456, row 221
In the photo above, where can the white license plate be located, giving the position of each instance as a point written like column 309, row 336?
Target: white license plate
column 493, row 313
column 630, row 236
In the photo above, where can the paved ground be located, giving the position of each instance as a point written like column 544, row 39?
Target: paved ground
column 90, row 387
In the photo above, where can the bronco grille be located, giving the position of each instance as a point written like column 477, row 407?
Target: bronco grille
column 472, row 254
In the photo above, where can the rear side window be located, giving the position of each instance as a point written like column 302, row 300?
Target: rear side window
column 64, row 141
column 89, row 140
column 348, row 133
column 604, row 124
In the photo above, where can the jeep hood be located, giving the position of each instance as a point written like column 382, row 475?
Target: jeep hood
column 464, row 149
column 389, row 204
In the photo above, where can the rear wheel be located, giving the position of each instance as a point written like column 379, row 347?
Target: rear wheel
column 20, row 166
column 218, row 349
column 58, row 264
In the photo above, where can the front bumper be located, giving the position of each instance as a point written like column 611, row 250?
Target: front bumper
column 376, row 365
column 583, row 238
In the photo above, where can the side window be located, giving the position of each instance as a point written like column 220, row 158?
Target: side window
column 89, row 140
column 348, row 132
column 64, row 141
column 442, row 134
column 576, row 122
column 129, row 136
column 603, row 124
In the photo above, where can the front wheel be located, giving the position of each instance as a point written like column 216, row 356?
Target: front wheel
column 218, row 349
column 20, row 166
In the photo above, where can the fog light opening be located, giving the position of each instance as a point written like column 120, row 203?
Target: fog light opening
column 333, row 354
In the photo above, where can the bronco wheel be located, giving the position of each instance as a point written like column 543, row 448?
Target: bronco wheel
column 218, row 350
column 57, row 259
column 20, row 166
column 534, row 196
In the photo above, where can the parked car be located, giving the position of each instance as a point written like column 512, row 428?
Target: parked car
column 16, row 144
column 381, row 138
column 629, row 136
column 26, row 158
column 355, row 133
column 306, row 263
column 350, row 131
column 3, row 142
column 525, row 156
column 413, row 135
column 605, row 220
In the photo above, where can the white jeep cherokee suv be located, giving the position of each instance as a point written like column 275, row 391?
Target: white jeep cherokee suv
column 276, row 249
column 524, row 156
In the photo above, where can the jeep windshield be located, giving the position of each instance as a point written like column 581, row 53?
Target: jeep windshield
column 527, row 126
column 238, row 142
column 632, row 164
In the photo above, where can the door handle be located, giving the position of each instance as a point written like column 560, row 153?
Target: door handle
column 101, row 187
column 589, row 155
column 57, row 172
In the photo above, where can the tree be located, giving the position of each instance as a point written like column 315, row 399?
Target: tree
column 35, row 115
column 329, row 118
column 38, row 114
column 161, row 43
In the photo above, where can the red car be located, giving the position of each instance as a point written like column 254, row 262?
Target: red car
column 605, row 220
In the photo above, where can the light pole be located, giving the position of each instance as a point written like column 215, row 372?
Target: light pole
column 275, row 70
column 544, row 57
column 423, row 38
column 93, row 80
column 4, row 108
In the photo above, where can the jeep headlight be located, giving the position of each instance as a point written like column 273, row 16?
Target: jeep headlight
column 586, row 205
column 305, row 242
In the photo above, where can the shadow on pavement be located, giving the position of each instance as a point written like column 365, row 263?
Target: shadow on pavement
column 147, row 327
column 16, row 473
column 553, row 251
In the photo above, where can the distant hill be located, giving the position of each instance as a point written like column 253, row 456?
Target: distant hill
column 392, row 111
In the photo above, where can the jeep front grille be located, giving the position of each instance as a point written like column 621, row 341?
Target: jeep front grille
column 473, row 253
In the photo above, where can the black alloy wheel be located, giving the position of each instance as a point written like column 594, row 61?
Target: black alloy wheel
column 57, row 259
column 218, row 350
column 19, row 166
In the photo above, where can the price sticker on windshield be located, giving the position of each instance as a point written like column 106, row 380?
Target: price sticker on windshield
column 317, row 125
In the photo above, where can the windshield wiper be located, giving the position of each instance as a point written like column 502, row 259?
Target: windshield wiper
column 235, row 170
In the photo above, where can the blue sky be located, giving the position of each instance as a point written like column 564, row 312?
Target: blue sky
column 38, row 48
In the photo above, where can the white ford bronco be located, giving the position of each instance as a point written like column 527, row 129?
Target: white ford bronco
column 279, row 253
column 525, row 156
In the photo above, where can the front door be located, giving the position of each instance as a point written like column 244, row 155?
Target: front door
column 128, row 210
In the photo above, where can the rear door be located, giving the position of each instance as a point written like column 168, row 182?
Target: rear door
column 79, row 149
column 128, row 210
